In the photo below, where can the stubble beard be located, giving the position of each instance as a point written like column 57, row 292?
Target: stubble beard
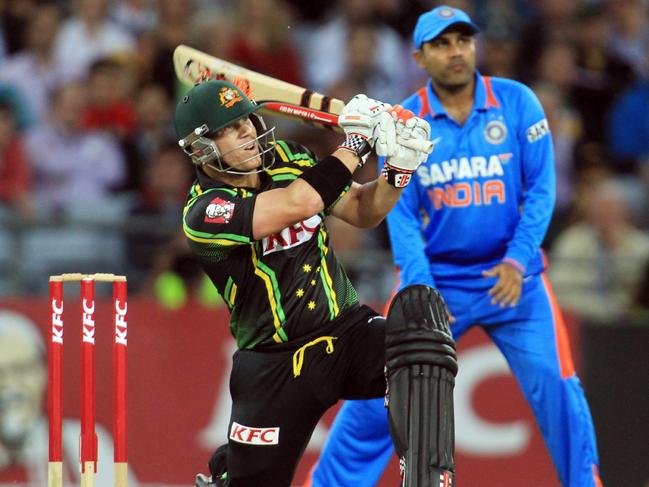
column 453, row 87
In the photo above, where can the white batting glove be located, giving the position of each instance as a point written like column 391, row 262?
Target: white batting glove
column 398, row 168
column 358, row 119
column 385, row 135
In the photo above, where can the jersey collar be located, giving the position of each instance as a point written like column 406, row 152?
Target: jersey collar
column 206, row 182
column 484, row 98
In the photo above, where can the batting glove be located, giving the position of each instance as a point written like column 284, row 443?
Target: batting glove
column 385, row 135
column 399, row 167
column 358, row 119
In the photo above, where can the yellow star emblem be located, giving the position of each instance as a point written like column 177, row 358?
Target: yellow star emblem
column 311, row 305
column 306, row 268
column 313, row 282
column 299, row 293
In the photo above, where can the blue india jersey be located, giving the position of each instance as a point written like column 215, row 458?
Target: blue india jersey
column 485, row 194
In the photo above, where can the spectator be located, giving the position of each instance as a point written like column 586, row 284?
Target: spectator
column 601, row 75
column 75, row 174
column 630, row 36
column 70, row 164
column 111, row 108
column 553, row 21
column 312, row 12
column 212, row 32
column 557, row 65
column 153, row 129
column 111, row 104
column 173, row 28
column 597, row 263
column 14, row 17
column 264, row 42
column 15, row 174
column 500, row 51
column 400, row 16
column 502, row 19
column 176, row 278
column 640, row 305
column 592, row 167
column 33, row 72
column 160, row 201
column 566, row 126
column 628, row 129
column 88, row 35
column 134, row 16
column 323, row 69
column 361, row 73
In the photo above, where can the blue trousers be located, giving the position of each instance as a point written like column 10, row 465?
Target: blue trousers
column 533, row 340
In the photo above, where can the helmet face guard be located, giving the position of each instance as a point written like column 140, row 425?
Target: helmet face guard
column 203, row 150
column 209, row 107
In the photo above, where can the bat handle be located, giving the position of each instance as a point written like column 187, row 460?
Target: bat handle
column 419, row 145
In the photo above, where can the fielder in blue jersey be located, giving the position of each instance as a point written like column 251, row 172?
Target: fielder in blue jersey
column 471, row 224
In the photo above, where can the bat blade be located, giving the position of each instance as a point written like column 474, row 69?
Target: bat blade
column 275, row 96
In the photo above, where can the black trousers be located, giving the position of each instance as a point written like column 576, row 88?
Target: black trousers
column 274, row 412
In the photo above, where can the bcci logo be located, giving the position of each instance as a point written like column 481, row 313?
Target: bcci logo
column 495, row 132
column 445, row 13
column 229, row 97
column 219, row 211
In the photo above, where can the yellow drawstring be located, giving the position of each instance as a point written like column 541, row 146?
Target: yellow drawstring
column 298, row 356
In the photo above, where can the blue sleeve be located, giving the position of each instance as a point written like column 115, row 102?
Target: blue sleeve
column 538, row 173
column 406, row 238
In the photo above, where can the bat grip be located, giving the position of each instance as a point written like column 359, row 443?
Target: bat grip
column 419, row 145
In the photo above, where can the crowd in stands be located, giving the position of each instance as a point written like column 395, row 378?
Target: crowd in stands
column 91, row 178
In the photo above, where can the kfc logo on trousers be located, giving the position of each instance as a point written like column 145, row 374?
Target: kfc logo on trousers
column 254, row 436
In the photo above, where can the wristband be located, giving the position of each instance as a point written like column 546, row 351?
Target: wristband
column 399, row 178
column 357, row 144
column 329, row 177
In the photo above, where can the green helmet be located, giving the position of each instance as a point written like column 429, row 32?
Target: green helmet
column 205, row 109
column 215, row 104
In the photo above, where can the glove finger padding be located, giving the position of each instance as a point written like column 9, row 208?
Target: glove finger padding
column 414, row 128
column 360, row 116
column 401, row 114
column 385, row 134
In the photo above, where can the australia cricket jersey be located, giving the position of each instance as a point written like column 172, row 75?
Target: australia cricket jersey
column 281, row 287
column 486, row 192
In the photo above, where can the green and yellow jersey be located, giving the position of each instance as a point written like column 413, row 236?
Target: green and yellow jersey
column 282, row 287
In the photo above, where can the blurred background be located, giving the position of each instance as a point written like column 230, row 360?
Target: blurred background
column 92, row 180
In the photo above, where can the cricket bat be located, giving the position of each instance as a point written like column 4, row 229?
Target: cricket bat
column 276, row 97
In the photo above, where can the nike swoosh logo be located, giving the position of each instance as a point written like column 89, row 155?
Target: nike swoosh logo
column 435, row 141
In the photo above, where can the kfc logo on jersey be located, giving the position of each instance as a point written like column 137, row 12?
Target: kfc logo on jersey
column 292, row 236
column 254, row 436
column 219, row 211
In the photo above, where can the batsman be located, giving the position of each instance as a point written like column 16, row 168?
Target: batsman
column 255, row 220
